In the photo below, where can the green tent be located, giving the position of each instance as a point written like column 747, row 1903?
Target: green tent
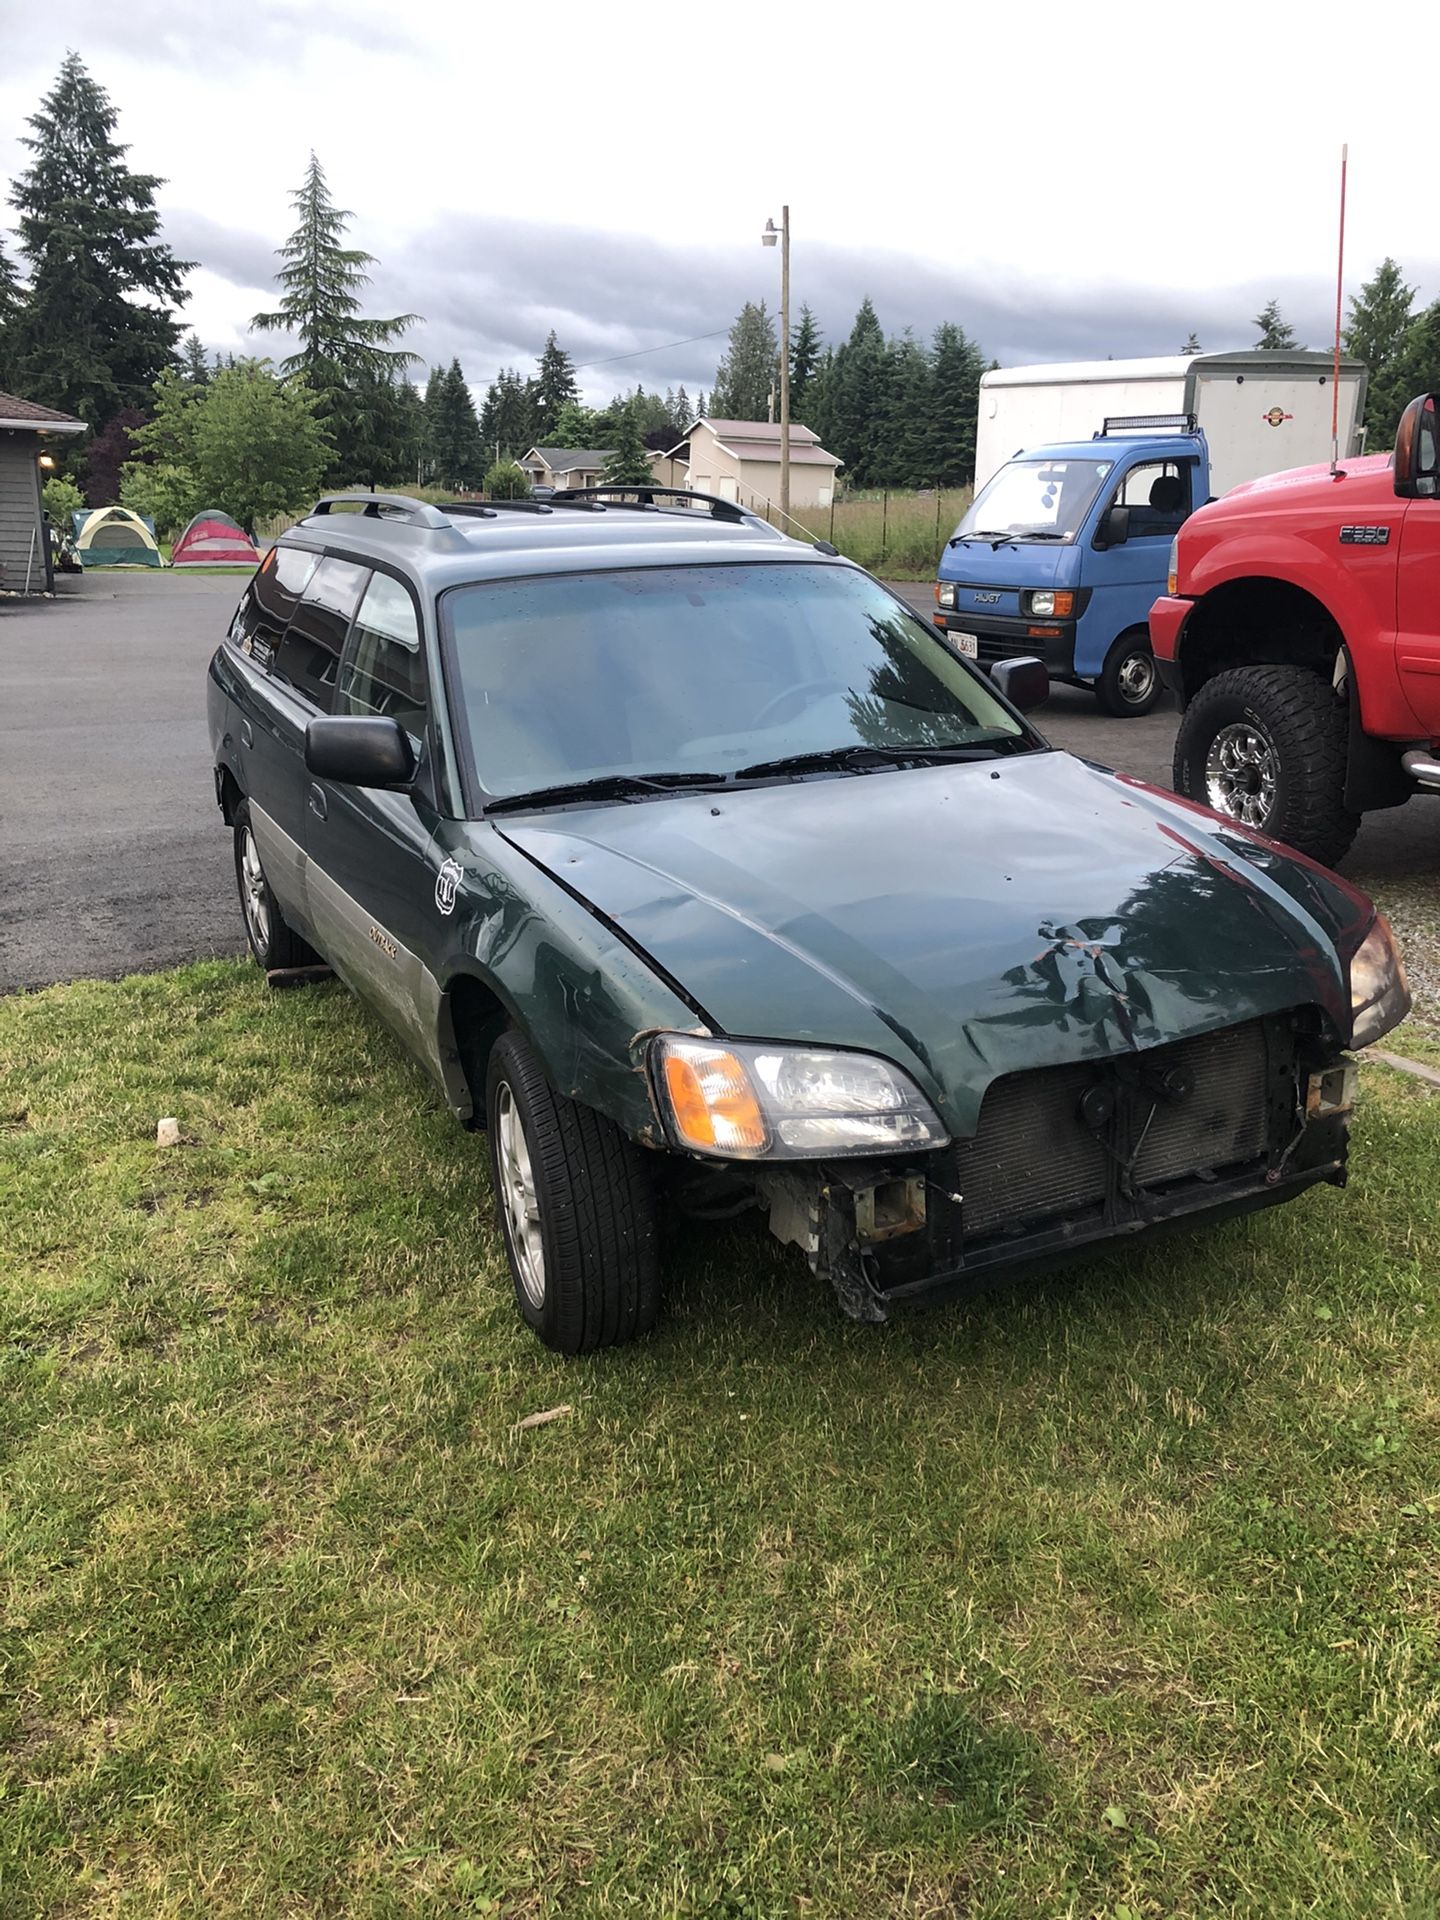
column 115, row 537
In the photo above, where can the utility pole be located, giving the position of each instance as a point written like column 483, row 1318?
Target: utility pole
column 769, row 237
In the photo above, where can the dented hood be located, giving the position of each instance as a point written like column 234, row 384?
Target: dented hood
column 966, row 921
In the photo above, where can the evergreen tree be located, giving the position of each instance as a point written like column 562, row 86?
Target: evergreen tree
column 320, row 283
column 555, row 387
column 1379, row 327
column 814, row 411
column 386, row 424
column 1415, row 369
column 456, row 454
column 197, row 367
column 97, row 323
column 627, row 465
column 682, row 415
column 860, row 400
column 956, row 367
column 804, row 358
column 1276, row 333
column 505, row 419
column 1192, row 343
column 746, row 376
column 702, row 407
column 430, row 411
column 11, row 303
column 905, row 459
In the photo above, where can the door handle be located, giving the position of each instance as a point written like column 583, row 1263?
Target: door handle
column 317, row 802
column 247, row 734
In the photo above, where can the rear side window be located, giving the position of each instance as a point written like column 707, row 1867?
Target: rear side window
column 270, row 599
column 382, row 671
column 309, row 655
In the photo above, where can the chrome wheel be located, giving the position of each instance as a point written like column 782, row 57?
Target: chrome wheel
column 1136, row 678
column 254, row 895
column 1241, row 772
column 517, row 1196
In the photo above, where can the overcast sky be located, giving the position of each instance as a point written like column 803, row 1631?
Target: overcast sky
column 1064, row 180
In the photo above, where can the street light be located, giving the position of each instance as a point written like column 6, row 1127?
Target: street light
column 768, row 239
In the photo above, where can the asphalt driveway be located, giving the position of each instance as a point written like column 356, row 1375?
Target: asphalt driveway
column 113, row 856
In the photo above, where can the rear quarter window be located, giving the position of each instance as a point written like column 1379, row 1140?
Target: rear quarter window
column 270, row 599
column 308, row 658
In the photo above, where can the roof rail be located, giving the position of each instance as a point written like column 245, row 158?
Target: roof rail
column 383, row 506
column 482, row 509
column 645, row 495
column 1146, row 423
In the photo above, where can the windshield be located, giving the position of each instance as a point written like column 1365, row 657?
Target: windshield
column 703, row 670
column 1035, row 500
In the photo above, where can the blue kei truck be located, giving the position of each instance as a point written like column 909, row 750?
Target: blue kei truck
column 1066, row 545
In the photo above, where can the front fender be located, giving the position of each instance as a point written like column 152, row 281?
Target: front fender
column 584, row 997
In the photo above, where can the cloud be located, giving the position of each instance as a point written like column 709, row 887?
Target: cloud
column 168, row 36
column 491, row 288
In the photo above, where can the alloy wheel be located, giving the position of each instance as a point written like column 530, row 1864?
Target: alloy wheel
column 254, row 893
column 518, row 1196
column 1242, row 769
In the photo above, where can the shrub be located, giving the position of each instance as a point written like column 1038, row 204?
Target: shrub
column 506, row 480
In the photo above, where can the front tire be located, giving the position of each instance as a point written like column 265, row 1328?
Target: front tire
column 1129, row 685
column 1267, row 746
column 275, row 945
column 576, row 1206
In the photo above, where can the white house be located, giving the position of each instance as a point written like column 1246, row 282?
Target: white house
column 740, row 460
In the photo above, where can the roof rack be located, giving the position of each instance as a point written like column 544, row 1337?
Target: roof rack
column 1146, row 423
column 482, row 509
column 385, row 506
column 645, row 496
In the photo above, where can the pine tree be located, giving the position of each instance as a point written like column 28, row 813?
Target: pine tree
column 746, row 376
column 506, row 427
column 430, row 415
column 860, row 399
column 11, row 304
column 804, row 358
column 456, row 454
column 1414, row 370
column 555, row 387
column 83, row 341
column 575, row 427
column 627, row 465
column 196, row 366
column 320, row 284
column 1380, row 320
column 702, row 407
column 683, row 415
column 905, row 458
column 1276, row 333
column 1192, row 343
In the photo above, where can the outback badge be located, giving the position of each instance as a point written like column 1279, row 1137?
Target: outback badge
column 447, row 883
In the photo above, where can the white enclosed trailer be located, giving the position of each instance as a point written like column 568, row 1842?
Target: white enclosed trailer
column 1260, row 411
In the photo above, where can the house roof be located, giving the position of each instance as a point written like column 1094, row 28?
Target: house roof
column 15, row 412
column 760, row 440
column 570, row 459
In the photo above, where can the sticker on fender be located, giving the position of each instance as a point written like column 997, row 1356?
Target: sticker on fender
column 447, row 884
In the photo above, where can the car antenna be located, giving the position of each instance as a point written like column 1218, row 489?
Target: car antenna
column 1339, row 283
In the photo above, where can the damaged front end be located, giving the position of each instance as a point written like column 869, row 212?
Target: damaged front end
column 1067, row 1156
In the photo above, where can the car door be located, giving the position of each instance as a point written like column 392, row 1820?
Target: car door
column 1125, row 580
column 1417, row 591
column 370, row 879
column 270, row 721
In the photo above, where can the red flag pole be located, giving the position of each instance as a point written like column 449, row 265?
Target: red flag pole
column 1339, row 285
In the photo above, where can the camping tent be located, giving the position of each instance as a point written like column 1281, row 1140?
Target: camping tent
column 115, row 537
column 213, row 539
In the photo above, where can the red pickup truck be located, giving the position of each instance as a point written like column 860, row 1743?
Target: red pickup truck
column 1300, row 632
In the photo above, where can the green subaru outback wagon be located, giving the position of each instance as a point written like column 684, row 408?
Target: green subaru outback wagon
column 701, row 873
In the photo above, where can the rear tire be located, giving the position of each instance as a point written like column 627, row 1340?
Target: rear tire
column 1129, row 685
column 576, row 1207
column 275, row 945
column 1267, row 746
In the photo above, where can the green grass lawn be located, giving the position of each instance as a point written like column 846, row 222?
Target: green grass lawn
column 1115, row 1596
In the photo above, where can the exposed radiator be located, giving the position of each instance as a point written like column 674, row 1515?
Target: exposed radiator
column 1033, row 1155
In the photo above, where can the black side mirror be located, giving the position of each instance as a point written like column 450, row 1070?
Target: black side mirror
column 1024, row 682
column 1417, row 450
column 1114, row 527
column 359, row 751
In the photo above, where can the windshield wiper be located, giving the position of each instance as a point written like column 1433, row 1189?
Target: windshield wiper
column 1013, row 538
column 859, row 758
column 605, row 786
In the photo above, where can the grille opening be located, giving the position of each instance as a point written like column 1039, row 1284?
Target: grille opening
column 1034, row 1156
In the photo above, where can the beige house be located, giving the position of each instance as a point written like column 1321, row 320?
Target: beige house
column 740, row 460
column 565, row 466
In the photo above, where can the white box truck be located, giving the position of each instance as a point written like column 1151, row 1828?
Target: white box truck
column 1260, row 411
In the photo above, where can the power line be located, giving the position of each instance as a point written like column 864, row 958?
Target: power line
column 639, row 354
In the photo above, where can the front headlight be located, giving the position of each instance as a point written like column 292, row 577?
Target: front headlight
column 745, row 1100
column 945, row 593
column 1379, row 991
column 1050, row 604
